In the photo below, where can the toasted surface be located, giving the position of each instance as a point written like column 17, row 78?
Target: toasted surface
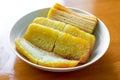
column 79, row 33
column 42, row 57
column 50, row 23
column 61, row 43
column 41, row 36
column 62, row 8
column 82, row 21
column 22, row 47
column 71, row 47
column 67, row 29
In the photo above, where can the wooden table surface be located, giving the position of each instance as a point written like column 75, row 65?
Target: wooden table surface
column 106, row 68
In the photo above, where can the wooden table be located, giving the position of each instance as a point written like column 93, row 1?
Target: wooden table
column 106, row 68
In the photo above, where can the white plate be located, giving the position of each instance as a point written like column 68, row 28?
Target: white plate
column 101, row 45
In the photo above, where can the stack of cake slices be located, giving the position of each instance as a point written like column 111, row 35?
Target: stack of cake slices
column 62, row 40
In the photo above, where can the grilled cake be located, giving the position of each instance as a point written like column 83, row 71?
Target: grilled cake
column 67, row 29
column 82, row 21
column 50, row 23
column 41, row 36
column 53, row 40
column 42, row 57
column 79, row 33
column 71, row 47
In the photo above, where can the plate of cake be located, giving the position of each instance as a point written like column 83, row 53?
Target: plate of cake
column 59, row 39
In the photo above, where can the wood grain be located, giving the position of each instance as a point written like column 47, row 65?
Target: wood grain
column 106, row 68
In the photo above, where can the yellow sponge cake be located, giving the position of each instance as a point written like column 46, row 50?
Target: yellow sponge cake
column 71, row 47
column 41, row 36
column 82, row 21
column 42, row 57
column 63, row 39
column 79, row 33
column 49, row 23
column 74, row 31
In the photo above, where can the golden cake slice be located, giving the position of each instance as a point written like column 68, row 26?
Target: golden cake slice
column 80, row 20
column 23, row 48
column 71, row 47
column 79, row 33
column 42, row 57
column 49, row 23
column 62, row 8
column 41, row 36
column 68, row 29
column 61, row 43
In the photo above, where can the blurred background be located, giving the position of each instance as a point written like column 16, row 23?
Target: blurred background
column 12, row 68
